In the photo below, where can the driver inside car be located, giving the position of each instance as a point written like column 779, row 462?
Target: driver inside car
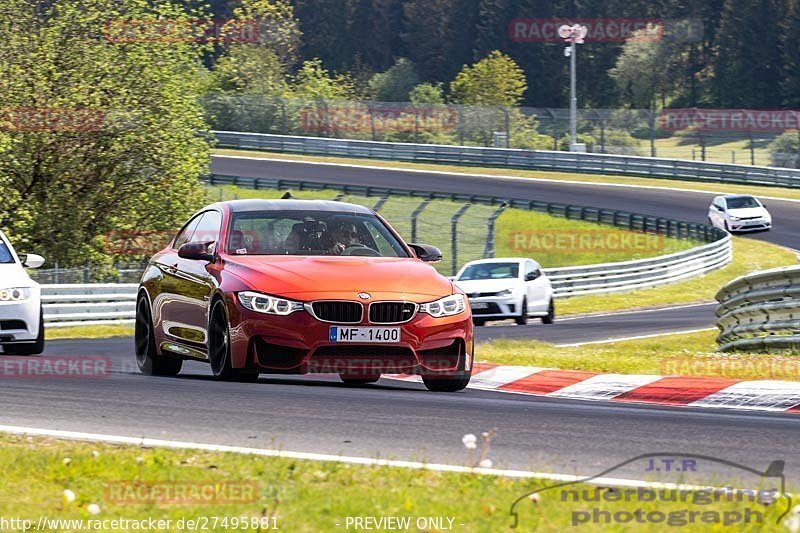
column 344, row 235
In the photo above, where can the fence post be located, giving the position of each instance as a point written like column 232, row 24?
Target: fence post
column 420, row 208
column 508, row 127
column 454, row 235
column 488, row 250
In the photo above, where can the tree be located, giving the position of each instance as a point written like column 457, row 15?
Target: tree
column 790, row 49
column 427, row 93
column 747, row 67
column 99, row 129
column 494, row 80
column 645, row 70
column 313, row 81
column 394, row 84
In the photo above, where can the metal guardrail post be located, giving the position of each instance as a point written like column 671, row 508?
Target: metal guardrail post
column 454, row 235
column 488, row 250
column 415, row 214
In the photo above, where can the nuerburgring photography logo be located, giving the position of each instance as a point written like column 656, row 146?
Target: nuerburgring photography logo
column 690, row 490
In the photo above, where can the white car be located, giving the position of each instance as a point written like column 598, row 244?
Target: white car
column 739, row 212
column 21, row 323
column 507, row 288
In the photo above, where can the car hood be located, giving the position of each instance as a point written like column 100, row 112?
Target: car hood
column 746, row 212
column 486, row 285
column 309, row 278
column 13, row 275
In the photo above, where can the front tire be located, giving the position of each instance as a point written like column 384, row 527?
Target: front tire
column 147, row 359
column 479, row 321
column 219, row 348
column 522, row 319
column 550, row 317
column 453, row 383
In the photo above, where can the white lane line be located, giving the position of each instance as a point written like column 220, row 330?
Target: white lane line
column 501, row 375
column 758, row 395
column 604, row 386
column 621, row 339
column 636, row 311
column 366, row 461
column 508, row 178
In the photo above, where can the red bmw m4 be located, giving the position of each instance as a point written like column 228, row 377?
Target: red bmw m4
column 298, row 287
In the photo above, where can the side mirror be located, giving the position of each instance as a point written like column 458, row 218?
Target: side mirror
column 196, row 250
column 721, row 208
column 33, row 261
column 426, row 252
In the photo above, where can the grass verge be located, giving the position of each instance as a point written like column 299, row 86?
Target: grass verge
column 748, row 256
column 89, row 332
column 689, row 354
column 552, row 241
column 716, row 188
column 294, row 495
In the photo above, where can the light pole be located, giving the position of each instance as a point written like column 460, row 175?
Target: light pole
column 574, row 36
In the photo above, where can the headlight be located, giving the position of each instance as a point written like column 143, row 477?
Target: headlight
column 270, row 305
column 447, row 306
column 14, row 295
column 733, row 217
column 506, row 292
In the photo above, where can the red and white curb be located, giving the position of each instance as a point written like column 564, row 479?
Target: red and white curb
column 722, row 393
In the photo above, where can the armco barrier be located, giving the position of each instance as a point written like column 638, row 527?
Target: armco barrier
column 760, row 311
column 652, row 167
column 84, row 304
column 88, row 304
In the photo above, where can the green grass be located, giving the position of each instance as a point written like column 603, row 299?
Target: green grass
column 748, row 256
column 716, row 188
column 517, row 232
column 301, row 495
column 720, row 150
column 686, row 354
column 89, row 332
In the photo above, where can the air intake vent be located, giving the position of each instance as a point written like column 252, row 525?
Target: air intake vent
column 339, row 312
column 391, row 312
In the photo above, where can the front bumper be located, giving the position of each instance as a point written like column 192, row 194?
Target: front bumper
column 300, row 344
column 749, row 225
column 19, row 321
column 495, row 306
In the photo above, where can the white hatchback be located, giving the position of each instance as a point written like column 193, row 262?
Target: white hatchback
column 21, row 321
column 507, row 288
column 739, row 212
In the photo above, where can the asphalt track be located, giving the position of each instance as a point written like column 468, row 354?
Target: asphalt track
column 390, row 419
column 681, row 205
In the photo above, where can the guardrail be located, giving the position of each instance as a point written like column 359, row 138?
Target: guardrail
column 652, row 167
column 760, row 311
column 89, row 304
column 568, row 281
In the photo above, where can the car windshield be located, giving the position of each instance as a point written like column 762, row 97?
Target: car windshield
column 490, row 271
column 5, row 254
column 742, row 202
column 312, row 233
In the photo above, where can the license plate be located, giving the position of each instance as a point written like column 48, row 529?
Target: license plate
column 359, row 334
column 479, row 305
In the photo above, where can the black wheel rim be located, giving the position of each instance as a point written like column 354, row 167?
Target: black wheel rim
column 142, row 331
column 218, row 340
